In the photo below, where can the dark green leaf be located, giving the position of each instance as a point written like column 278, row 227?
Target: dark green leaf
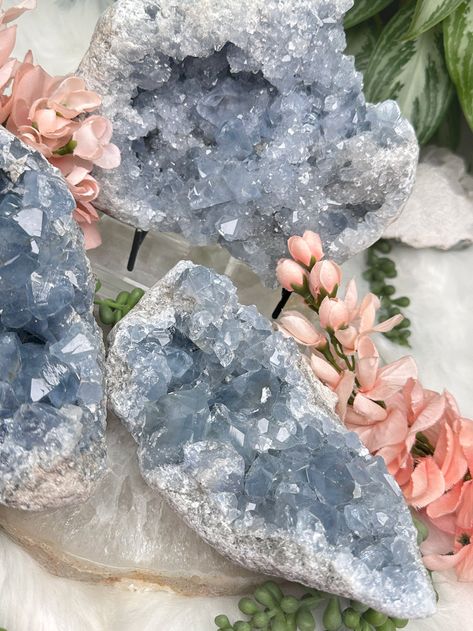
column 458, row 34
column 361, row 41
column 428, row 14
column 363, row 10
column 411, row 72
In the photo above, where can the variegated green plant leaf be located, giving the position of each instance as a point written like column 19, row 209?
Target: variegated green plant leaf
column 458, row 35
column 363, row 10
column 448, row 133
column 428, row 13
column 361, row 41
column 413, row 73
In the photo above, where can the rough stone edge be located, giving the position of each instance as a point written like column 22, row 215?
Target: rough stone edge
column 66, row 477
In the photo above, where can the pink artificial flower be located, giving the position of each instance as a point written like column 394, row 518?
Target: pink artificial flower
column 333, row 314
column 14, row 12
column 301, row 329
column 29, row 84
column 342, row 383
column 461, row 560
column 376, row 383
column 93, row 142
column 7, row 43
column 306, row 249
column 71, row 98
column 325, row 276
column 290, row 274
column 86, row 216
column 367, row 312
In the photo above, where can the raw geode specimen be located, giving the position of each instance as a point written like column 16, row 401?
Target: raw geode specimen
column 241, row 439
column 242, row 122
column 52, row 412
column 137, row 538
column 439, row 213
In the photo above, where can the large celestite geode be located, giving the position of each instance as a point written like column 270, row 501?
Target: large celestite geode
column 52, row 411
column 242, row 122
column 241, row 439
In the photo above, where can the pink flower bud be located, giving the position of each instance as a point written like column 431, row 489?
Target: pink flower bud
column 326, row 276
column 333, row 314
column 315, row 244
column 290, row 274
column 299, row 250
column 300, row 328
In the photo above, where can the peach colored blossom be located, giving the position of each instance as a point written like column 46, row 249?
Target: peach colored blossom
column 367, row 312
column 333, row 314
column 426, row 485
column 290, row 274
column 315, row 244
column 377, row 383
column 93, row 142
column 15, row 11
column 306, row 249
column 299, row 327
column 461, row 560
column 325, row 276
column 86, row 216
column 341, row 383
column 71, row 98
column 299, row 250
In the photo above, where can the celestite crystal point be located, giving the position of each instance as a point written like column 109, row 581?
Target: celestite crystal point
column 52, row 409
column 241, row 439
column 242, row 122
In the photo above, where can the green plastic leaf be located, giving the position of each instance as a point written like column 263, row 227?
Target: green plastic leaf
column 363, row 10
column 458, row 36
column 428, row 14
column 413, row 73
column 448, row 133
column 361, row 41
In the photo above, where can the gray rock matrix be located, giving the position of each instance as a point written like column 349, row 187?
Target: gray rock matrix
column 242, row 123
column 241, row 439
column 52, row 408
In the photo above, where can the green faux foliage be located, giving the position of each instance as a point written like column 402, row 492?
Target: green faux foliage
column 269, row 609
column 420, row 53
column 380, row 272
column 111, row 311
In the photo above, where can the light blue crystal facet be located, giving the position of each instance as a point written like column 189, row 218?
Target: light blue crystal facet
column 51, row 379
column 239, row 436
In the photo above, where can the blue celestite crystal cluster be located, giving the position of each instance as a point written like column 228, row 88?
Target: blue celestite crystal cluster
column 242, row 123
column 52, row 414
column 240, row 437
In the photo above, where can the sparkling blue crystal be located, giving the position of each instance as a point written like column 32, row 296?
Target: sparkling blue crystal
column 242, row 440
column 242, row 122
column 51, row 378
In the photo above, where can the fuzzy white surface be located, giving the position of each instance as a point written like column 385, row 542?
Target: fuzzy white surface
column 33, row 600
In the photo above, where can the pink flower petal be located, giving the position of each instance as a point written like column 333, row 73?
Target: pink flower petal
column 300, row 328
column 466, row 441
column 324, row 371
column 344, row 390
column 428, row 483
column 14, row 12
column 388, row 325
column 7, row 43
column 371, row 410
column 391, row 378
column 110, row 157
column 445, row 504
column 465, row 510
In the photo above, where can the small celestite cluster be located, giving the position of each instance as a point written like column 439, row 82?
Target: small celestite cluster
column 241, row 439
column 243, row 123
column 52, row 412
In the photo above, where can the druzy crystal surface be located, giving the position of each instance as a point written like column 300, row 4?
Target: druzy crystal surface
column 241, row 439
column 243, row 123
column 51, row 353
